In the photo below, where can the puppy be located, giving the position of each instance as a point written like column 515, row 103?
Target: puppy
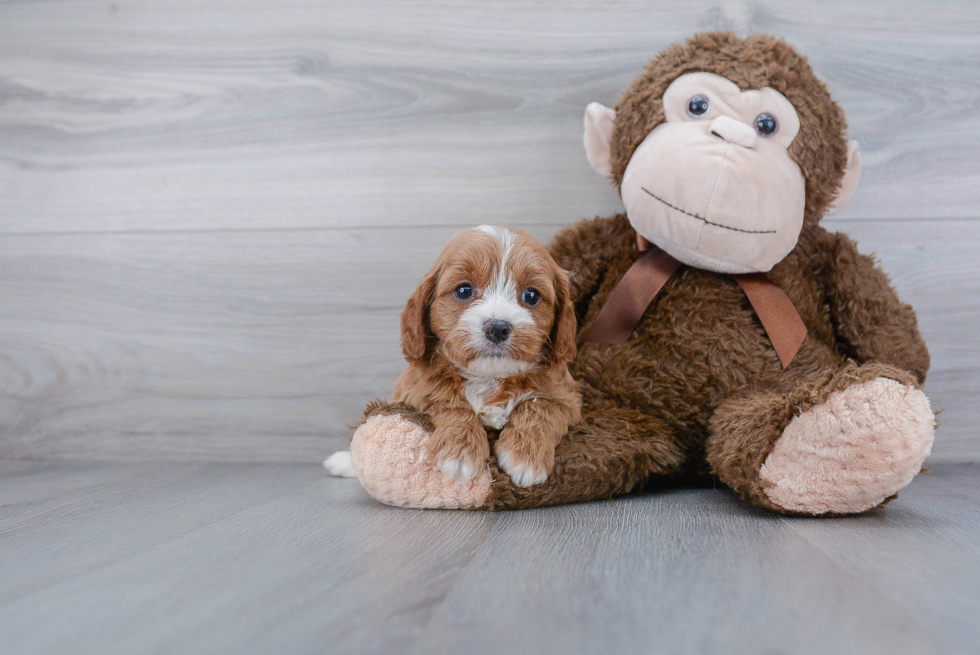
column 488, row 335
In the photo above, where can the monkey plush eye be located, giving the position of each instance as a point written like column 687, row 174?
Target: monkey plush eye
column 531, row 297
column 765, row 124
column 464, row 291
column 698, row 106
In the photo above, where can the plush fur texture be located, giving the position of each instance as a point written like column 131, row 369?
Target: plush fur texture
column 759, row 61
column 852, row 451
column 395, row 452
column 698, row 390
column 708, row 188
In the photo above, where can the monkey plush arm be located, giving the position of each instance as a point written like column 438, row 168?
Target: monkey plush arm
column 872, row 323
column 586, row 249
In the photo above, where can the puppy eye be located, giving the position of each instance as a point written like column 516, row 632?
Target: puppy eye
column 698, row 106
column 531, row 297
column 765, row 124
column 464, row 291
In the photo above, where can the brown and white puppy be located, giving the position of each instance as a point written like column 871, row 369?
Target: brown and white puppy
column 488, row 335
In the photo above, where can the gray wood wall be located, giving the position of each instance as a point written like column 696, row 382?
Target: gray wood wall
column 212, row 212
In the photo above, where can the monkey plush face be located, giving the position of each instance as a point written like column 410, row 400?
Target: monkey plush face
column 714, row 185
column 716, row 181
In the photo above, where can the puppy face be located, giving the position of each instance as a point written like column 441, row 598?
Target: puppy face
column 494, row 304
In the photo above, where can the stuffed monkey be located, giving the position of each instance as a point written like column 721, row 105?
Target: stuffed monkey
column 722, row 332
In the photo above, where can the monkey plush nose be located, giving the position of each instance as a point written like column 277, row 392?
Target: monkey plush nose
column 733, row 131
column 496, row 331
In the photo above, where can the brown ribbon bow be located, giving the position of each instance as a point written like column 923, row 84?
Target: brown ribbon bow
column 647, row 276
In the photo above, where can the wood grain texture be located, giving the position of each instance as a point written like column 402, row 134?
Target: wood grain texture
column 312, row 565
column 264, row 346
column 211, row 213
column 121, row 510
column 175, row 114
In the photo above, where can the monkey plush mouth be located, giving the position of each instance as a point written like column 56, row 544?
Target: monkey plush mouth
column 703, row 219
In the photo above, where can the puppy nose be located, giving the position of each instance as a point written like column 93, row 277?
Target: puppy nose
column 733, row 131
column 496, row 331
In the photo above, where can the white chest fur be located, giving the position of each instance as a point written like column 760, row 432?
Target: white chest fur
column 479, row 390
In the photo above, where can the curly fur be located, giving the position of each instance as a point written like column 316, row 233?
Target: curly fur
column 756, row 62
column 698, row 390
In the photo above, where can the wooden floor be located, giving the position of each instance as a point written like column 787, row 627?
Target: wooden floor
column 278, row 558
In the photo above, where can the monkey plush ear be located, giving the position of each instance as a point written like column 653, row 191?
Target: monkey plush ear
column 850, row 180
column 599, row 121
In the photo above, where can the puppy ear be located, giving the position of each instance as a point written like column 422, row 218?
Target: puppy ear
column 565, row 325
column 416, row 331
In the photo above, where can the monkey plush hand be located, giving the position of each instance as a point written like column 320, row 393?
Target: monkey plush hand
column 723, row 333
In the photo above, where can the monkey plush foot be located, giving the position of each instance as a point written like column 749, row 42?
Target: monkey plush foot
column 388, row 452
column 851, row 452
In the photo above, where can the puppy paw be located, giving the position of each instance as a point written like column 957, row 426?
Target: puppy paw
column 522, row 474
column 526, row 461
column 457, row 469
column 340, row 465
column 390, row 455
column 460, row 456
